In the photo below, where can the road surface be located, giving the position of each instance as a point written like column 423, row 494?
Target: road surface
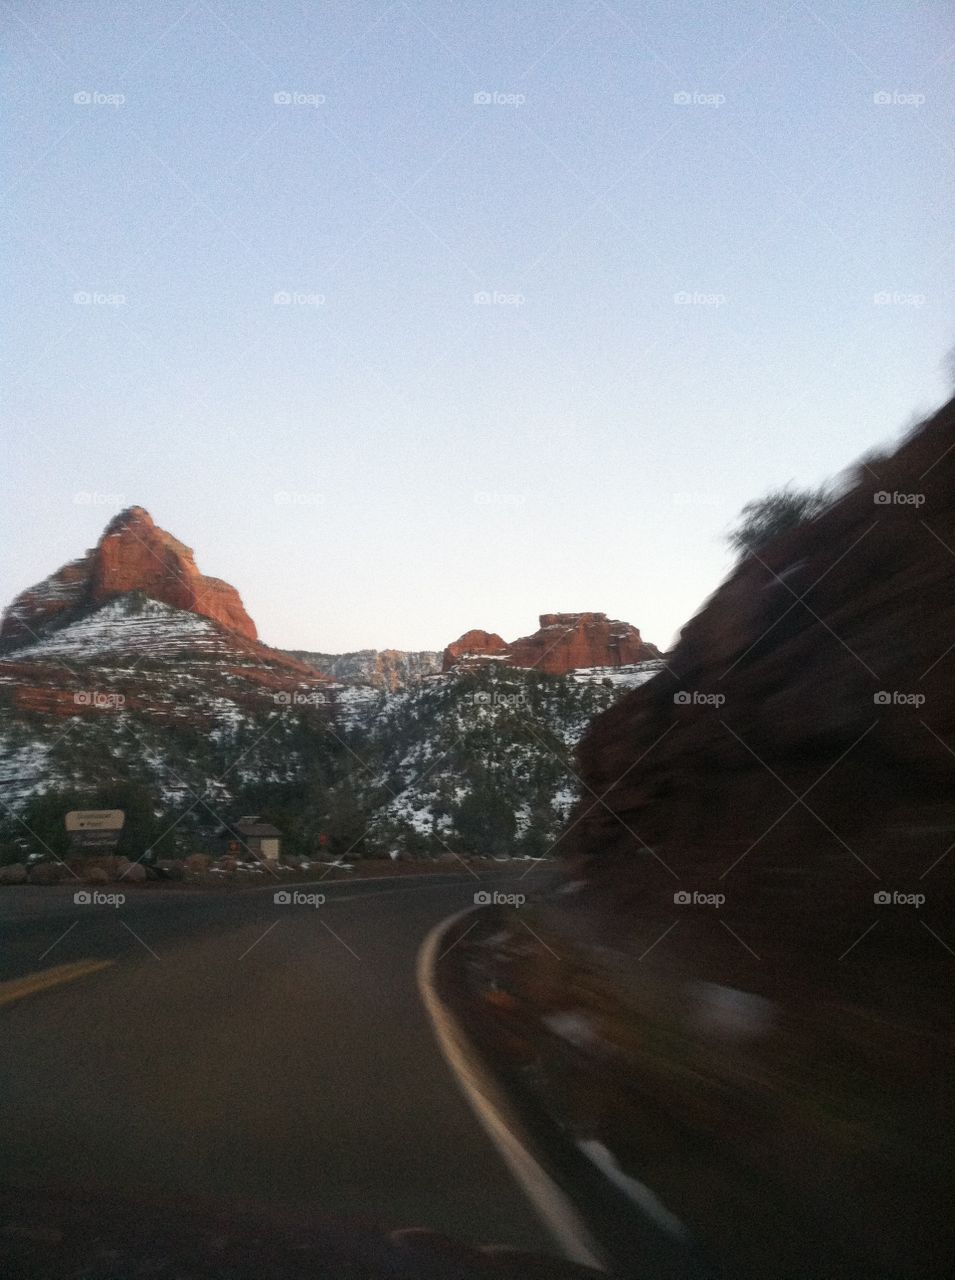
column 224, row 1045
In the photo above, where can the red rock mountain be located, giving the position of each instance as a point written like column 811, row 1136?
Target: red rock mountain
column 564, row 642
column 133, row 554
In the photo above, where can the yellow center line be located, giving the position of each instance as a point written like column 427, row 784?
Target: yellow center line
column 19, row 988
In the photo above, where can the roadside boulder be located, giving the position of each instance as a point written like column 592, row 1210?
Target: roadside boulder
column 13, row 873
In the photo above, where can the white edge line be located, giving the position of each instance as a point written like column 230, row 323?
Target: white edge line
column 553, row 1207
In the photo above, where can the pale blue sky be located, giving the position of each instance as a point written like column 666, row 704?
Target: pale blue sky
column 383, row 460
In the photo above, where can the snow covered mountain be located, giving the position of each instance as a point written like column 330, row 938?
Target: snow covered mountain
column 115, row 674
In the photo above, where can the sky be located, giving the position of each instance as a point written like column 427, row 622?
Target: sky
column 416, row 317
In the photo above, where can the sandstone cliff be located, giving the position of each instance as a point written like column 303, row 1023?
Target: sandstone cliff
column 564, row 642
column 133, row 554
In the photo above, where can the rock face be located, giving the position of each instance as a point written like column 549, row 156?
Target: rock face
column 784, row 793
column 823, row 662
column 133, row 555
column 132, row 642
column 564, row 642
column 474, row 646
column 388, row 669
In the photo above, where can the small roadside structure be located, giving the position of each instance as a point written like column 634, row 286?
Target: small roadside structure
column 251, row 836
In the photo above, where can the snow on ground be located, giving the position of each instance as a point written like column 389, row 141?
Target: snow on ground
column 357, row 704
column 155, row 629
column 628, row 677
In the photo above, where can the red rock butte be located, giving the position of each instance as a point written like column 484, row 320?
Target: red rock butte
column 133, row 554
column 564, row 642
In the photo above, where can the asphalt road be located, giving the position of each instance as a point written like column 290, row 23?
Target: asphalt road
column 235, row 1048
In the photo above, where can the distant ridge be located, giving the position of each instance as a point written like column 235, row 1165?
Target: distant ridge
column 389, row 669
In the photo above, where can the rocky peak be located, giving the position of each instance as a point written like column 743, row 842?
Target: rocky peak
column 564, row 642
column 133, row 554
column 474, row 646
